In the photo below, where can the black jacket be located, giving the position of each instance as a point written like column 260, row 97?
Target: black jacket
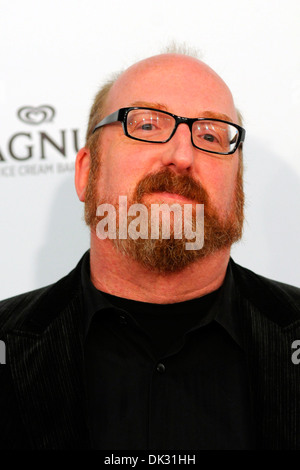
column 42, row 394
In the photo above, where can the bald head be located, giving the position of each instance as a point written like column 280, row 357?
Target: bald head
column 189, row 79
column 185, row 85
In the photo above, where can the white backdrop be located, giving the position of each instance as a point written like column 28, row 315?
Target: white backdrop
column 54, row 56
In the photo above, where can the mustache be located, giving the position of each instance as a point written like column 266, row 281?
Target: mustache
column 168, row 181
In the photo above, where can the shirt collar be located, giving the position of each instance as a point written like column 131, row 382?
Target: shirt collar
column 227, row 307
column 224, row 310
column 93, row 300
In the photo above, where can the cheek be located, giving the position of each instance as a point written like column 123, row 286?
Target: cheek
column 123, row 164
column 219, row 179
column 118, row 175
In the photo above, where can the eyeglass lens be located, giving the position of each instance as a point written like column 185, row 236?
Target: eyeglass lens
column 156, row 126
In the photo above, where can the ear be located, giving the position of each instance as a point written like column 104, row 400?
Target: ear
column 82, row 171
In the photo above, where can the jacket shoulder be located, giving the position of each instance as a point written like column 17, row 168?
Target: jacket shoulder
column 272, row 283
column 38, row 307
column 15, row 310
column 280, row 301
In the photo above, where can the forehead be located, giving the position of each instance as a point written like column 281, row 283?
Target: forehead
column 184, row 85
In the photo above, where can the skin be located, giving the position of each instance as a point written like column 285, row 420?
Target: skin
column 186, row 87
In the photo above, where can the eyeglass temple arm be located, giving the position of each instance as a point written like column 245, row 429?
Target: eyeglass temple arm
column 242, row 137
column 108, row 120
column 243, row 134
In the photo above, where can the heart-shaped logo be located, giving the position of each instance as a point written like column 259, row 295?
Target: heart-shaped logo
column 36, row 115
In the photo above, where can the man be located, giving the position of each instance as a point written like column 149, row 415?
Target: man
column 148, row 344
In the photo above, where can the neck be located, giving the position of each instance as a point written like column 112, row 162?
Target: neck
column 119, row 275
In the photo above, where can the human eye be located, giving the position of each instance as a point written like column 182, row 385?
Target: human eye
column 209, row 137
column 207, row 131
column 147, row 126
column 139, row 121
column 150, row 125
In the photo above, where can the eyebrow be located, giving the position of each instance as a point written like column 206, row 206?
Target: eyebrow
column 214, row 115
column 204, row 114
column 146, row 104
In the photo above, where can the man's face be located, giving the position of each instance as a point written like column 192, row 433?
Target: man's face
column 186, row 87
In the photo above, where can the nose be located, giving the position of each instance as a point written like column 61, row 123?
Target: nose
column 179, row 151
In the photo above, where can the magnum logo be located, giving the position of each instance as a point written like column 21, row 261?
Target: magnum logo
column 39, row 144
column 38, row 115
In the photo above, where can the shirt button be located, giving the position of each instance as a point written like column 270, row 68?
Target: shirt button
column 160, row 368
column 123, row 320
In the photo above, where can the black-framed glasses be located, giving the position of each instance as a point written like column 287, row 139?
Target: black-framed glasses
column 156, row 126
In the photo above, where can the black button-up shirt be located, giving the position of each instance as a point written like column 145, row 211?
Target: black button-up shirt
column 167, row 377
